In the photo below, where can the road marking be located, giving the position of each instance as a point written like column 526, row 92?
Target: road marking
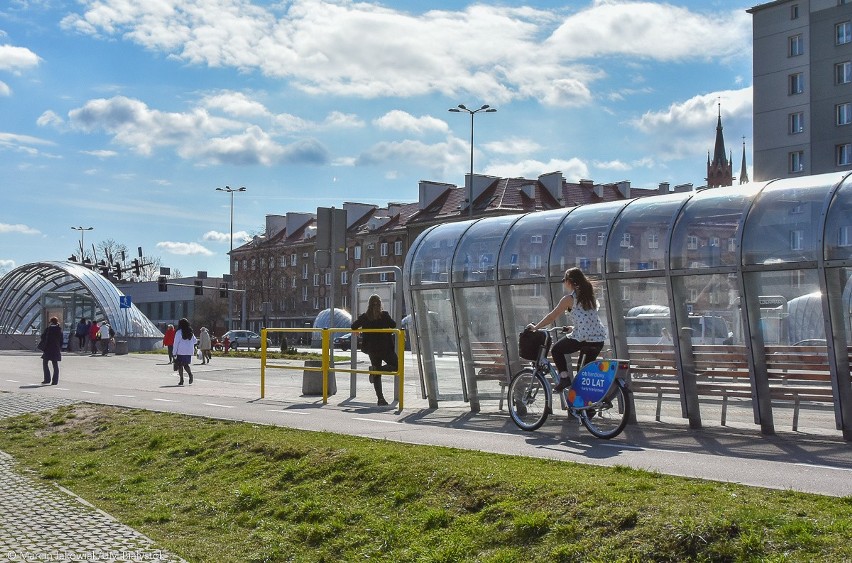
column 128, row 396
column 90, row 392
column 815, row 466
column 166, row 400
column 287, row 412
column 376, row 420
column 13, row 381
column 215, row 405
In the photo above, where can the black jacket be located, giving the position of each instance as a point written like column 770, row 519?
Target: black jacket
column 375, row 343
column 51, row 341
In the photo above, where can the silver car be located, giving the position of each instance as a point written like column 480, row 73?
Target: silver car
column 244, row 339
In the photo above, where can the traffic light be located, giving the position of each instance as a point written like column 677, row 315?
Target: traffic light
column 116, row 270
column 161, row 283
column 223, row 290
column 104, row 268
column 137, row 267
column 199, row 287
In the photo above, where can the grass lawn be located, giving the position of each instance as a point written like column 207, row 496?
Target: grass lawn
column 218, row 491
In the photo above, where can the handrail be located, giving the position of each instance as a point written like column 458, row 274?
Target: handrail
column 327, row 352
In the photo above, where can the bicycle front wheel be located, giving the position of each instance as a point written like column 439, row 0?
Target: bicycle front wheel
column 608, row 419
column 528, row 399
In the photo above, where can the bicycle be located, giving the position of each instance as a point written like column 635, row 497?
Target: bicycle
column 598, row 397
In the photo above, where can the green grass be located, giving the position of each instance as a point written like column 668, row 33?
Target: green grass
column 214, row 490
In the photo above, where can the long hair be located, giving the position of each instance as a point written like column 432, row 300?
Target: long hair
column 185, row 329
column 583, row 288
column 374, row 307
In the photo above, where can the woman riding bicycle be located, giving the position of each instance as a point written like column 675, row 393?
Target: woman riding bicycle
column 588, row 333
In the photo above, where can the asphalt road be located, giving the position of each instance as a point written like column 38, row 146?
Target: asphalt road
column 813, row 461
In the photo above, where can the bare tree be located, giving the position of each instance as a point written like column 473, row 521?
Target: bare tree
column 210, row 312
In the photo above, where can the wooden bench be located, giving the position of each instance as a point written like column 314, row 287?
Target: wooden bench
column 796, row 374
column 489, row 361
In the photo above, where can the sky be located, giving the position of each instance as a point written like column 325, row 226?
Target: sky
column 126, row 115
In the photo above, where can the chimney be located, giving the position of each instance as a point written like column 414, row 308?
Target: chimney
column 553, row 182
column 429, row 192
column 624, row 189
column 275, row 224
column 664, row 188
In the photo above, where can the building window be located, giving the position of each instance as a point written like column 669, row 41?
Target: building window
column 581, row 239
column 797, row 46
column 653, row 240
column 844, row 236
column 535, row 262
column 316, row 280
column 797, row 240
column 293, row 282
column 732, row 244
column 625, row 293
column 344, row 277
column 692, row 242
column 305, row 294
column 536, row 239
column 282, row 261
column 843, row 72
column 601, row 239
column 714, row 241
column 797, row 122
column 844, row 154
column 316, row 302
column 843, row 114
column 383, row 249
column 357, row 253
column 397, row 248
column 293, row 261
column 383, row 277
column 797, row 161
column 236, row 265
column 797, row 83
column 370, row 262
column 794, row 12
column 625, row 240
column 304, row 271
column 843, row 32
column 623, row 264
column 328, row 278
column 436, row 266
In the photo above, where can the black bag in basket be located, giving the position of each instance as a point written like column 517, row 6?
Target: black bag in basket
column 530, row 343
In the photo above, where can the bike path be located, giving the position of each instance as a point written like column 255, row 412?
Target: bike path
column 228, row 388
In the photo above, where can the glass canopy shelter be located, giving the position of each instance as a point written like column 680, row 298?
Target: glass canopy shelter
column 751, row 284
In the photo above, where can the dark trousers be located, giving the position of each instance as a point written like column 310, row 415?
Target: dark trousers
column 171, row 352
column 44, row 364
column 565, row 346
column 391, row 363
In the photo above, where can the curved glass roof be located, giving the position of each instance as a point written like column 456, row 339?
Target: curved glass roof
column 21, row 291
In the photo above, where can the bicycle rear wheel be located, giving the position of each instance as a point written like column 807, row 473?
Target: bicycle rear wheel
column 528, row 399
column 608, row 419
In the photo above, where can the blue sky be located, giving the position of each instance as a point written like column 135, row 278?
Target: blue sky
column 126, row 115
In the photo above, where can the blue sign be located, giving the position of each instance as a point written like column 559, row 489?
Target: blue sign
column 124, row 301
column 592, row 383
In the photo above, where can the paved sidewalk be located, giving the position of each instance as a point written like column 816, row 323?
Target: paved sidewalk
column 40, row 521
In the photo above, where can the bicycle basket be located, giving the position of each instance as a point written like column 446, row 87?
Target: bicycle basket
column 530, row 343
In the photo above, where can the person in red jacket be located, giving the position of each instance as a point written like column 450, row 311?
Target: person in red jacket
column 94, row 329
column 169, row 341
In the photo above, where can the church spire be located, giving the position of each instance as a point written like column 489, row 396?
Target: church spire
column 743, row 169
column 720, row 169
column 719, row 153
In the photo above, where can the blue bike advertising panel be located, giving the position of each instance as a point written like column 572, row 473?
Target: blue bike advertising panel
column 592, row 383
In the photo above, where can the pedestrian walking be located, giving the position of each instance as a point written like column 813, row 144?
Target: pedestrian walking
column 105, row 334
column 184, row 347
column 51, row 351
column 81, row 332
column 94, row 334
column 378, row 346
column 169, row 341
column 205, row 345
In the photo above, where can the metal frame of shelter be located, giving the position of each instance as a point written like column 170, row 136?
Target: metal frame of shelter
column 714, row 253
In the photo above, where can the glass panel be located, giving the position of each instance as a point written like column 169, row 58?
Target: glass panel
column 522, row 305
column 711, row 218
column 431, row 261
column 838, row 228
column 482, row 345
column 581, row 239
column 527, row 246
column 784, row 222
column 476, row 259
column 641, row 233
column 437, row 346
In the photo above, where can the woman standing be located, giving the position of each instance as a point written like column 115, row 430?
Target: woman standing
column 184, row 348
column 81, row 332
column 51, row 348
column 205, row 345
column 379, row 346
column 588, row 332
column 169, row 341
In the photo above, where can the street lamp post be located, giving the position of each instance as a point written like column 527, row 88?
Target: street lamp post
column 82, row 232
column 461, row 108
column 231, row 191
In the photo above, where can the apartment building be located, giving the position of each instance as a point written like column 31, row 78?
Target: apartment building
column 802, row 87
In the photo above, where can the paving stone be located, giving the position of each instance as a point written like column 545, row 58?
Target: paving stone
column 41, row 522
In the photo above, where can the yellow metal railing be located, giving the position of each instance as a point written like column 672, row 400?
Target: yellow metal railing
column 327, row 352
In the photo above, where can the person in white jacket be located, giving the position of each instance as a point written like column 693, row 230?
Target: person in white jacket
column 184, row 348
column 205, row 345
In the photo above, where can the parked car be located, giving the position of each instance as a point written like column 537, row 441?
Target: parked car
column 344, row 341
column 244, row 339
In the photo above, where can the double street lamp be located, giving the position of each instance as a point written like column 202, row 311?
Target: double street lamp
column 82, row 232
column 231, row 191
column 461, row 108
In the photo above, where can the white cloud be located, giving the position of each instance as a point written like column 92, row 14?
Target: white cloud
column 101, row 153
column 440, row 158
column 513, row 146
column 612, row 165
column 6, row 266
column 18, row 228
column 17, row 58
column 572, row 169
column 216, row 236
column 397, row 120
column 4, row 89
column 49, row 118
column 184, row 248
column 362, row 49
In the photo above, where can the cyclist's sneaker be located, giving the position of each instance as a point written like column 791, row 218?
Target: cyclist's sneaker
column 564, row 383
